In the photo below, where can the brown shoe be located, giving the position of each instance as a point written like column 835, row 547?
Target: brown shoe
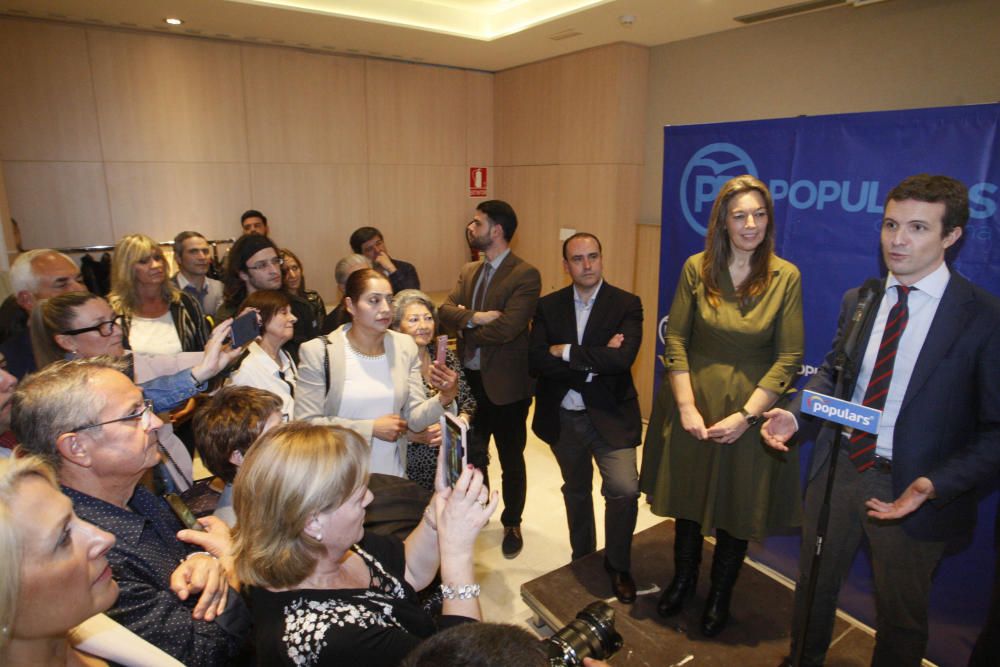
column 621, row 584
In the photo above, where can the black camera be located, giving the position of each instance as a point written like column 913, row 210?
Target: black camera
column 590, row 635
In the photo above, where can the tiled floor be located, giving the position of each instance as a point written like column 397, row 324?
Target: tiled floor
column 546, row 537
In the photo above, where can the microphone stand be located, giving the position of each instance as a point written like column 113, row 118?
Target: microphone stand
column 844, row 366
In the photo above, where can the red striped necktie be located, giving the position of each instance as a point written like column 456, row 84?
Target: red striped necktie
column 862, row 443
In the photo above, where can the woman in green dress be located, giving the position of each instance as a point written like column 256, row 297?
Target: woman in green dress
column 734, row 344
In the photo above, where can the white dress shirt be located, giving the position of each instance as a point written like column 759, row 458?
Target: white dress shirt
column 573, row 400
column 922, row 302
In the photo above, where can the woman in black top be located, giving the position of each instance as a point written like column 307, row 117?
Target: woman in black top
column 322, row 590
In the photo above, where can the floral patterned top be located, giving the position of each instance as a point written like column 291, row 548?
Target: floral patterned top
column 375, row 626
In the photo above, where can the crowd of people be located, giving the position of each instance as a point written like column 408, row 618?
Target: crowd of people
column 328, row 533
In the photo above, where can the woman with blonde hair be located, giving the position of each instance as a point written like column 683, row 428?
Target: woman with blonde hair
column 322, row 589
column 55, row 572
column 734, row 344
column 157, row 318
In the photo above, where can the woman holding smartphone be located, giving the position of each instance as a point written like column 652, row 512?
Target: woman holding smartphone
column 414, row 314
column 368, row 378
column 266, row 365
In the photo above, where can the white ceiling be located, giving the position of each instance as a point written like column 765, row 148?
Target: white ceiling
column 381, row 33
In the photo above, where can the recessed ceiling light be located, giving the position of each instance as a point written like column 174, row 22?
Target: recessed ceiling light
column 173, row 21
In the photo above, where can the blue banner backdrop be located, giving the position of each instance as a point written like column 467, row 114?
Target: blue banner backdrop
column 829, row 176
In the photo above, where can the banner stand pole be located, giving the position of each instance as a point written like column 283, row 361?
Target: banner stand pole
column 845, row 369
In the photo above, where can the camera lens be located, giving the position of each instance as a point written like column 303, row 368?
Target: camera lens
column 590, row 635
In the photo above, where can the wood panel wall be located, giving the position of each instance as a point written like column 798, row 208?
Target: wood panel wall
column 647, row 286
column 569, row 152
column 105, row 132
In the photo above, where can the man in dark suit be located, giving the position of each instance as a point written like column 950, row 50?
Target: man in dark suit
column 583, row 342
column 490, row 309
column 929, row 359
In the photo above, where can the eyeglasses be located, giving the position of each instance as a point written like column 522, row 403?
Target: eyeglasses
column 143, row 415
column 263, row 264
column 105, row 328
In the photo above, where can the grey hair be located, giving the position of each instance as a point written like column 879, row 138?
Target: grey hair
column 56, row 400
column 22, row 271
column 402, row 300
column 348, row 265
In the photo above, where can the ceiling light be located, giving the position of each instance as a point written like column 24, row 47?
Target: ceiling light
column 173, row 21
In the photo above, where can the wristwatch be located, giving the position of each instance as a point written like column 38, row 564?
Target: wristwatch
column 752, row 420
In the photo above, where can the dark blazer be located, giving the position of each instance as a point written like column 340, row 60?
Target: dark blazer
column 405, row 276
column 948, row 428
column 503, row 343
column 611, row 399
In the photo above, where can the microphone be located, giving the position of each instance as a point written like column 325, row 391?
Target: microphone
column 870, row 292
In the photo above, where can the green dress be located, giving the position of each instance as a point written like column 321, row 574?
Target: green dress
column 745, row 488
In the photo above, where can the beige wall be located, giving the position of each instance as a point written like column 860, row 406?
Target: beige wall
column 896, row 55
column 106, row 132
column 569, row 154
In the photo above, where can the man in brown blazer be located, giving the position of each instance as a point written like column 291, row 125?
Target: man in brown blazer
column 490, row 309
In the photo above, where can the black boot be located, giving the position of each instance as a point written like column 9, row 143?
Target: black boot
column 726, row 564
column 687, row 560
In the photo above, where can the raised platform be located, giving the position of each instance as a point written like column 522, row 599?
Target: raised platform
column 757, row 634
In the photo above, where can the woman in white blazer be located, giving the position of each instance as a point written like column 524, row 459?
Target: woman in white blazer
column 367, row 378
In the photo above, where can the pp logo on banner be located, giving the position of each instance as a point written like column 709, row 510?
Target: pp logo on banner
column 704, row 174
column 840, row 412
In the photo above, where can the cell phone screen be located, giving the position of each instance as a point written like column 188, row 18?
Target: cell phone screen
column 246, row 328
column 453, row 440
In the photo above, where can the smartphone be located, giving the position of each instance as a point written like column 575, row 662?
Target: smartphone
column 454, row 433
column 442, row 350
column 183, row 512
column 246, row 328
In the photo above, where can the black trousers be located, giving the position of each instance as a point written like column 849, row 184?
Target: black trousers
column 902, row 568
column 579, row 443
column 507, row 425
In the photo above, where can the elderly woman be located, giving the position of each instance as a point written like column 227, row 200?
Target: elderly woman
column 266, row 364
column 345, row 267
column 157, row 318
column 734, row 344
column 55, row 570
column 293, row 279
column 414, row 314
column 324, row 591
column 368, row 378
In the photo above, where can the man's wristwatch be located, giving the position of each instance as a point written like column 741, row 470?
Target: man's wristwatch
column 752, row 420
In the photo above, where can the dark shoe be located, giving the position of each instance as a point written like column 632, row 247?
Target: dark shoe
column 726, row 564
column 677, row 593
column 621, row 584
column 512, row 541
column 687, row 560
column 716, row 614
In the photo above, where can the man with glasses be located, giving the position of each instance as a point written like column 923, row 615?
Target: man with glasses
column 35, row 275
column 254, row 264
column 92, row 424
